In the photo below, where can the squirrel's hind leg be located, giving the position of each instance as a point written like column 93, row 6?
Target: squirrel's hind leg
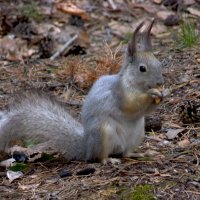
column 110, row 142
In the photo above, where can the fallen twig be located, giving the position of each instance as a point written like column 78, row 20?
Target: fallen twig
column 53, row 57
column 194, row 192
column 112, row 4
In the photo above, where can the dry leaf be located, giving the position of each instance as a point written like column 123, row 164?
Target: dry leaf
column 172, row 133
column 194, row 11
column 83, row 39
column 72, row 9
column 13, row 175
column 184, row 143
column 163, row 15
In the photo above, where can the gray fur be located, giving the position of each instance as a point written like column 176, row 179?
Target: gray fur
column 38, row 118
column 113, row 112
column 105, row 100
column 103, row 104
column 106, row 108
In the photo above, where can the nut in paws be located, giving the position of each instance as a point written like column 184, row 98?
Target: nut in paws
column 156, row 95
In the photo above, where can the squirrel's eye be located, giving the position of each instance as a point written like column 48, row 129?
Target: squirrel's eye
column 143, row 68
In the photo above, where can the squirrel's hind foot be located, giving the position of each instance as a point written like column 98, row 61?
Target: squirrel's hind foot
column 112, row 161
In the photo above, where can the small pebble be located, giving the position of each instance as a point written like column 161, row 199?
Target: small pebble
column 86, row 171
column 65, row 173
column 172, row 20
column 20, row 157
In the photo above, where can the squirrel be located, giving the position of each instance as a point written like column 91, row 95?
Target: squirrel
column 112, row 114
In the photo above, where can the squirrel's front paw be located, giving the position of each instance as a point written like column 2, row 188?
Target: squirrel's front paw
column 156, row 95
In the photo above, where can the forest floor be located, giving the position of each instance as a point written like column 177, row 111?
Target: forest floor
column 32, row 31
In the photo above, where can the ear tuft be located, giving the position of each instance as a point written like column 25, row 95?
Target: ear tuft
column 145, row 43
column 144, row 40
column 132, row 45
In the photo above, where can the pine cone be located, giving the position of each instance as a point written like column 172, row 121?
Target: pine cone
column 189, row 112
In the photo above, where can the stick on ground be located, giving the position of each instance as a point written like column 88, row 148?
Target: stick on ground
column 60, row 51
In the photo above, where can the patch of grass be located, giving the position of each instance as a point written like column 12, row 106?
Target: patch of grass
column 143, row 192
column 31, row 11
column 188, row 35
column 140, row 192
column 19, row 167
column 151, row 133
column 45, row 157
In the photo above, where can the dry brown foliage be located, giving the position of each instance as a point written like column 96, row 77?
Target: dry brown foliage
column 84, row 72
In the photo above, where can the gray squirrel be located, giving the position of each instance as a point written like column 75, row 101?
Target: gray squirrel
column 112, row 114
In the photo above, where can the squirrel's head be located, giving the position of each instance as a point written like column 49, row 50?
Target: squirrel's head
column 141, row 67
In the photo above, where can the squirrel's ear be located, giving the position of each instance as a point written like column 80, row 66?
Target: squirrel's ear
column 145, row 41
column 132, row 45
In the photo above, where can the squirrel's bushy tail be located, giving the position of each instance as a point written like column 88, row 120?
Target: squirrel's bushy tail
column 38, row 118
column 3, row 118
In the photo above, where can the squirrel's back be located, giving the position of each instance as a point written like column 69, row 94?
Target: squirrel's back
column 39, row 118
column 100, row 97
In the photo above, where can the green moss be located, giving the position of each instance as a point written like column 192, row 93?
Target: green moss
column 143, row 192
column 188, row 35
column 140, row 192
column 19, row 167
column 31, row 11
column 45, row 157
